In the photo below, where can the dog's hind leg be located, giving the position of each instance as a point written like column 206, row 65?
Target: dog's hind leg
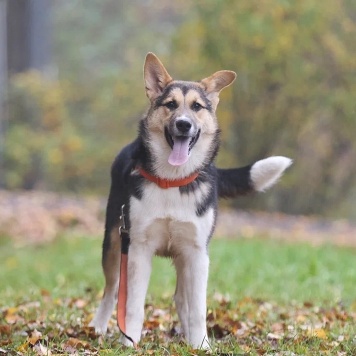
column 192, row 267
column 111, row 267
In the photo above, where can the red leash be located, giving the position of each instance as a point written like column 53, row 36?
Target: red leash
column 122, row 293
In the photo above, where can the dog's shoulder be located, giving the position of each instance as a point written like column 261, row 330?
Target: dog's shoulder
column 125, row 161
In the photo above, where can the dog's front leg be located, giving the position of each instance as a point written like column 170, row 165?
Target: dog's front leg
column 192, row 277
column 138, row 274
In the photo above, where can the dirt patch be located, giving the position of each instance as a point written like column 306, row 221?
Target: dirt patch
column 36, row 217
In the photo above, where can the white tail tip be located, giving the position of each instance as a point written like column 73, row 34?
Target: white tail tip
column 266, row 172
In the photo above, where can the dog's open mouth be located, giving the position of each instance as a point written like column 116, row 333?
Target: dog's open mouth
column 181, row 147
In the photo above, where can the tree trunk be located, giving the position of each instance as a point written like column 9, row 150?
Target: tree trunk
column 3, row 85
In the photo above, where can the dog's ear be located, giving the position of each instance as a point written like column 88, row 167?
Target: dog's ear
column 155, row 75
column 216, row 82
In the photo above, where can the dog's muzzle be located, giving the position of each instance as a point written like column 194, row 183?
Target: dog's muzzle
column 181, row 135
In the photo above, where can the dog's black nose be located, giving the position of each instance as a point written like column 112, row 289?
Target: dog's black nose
column 183, row 125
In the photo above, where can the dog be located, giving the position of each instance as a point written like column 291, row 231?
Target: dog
column 169, row 186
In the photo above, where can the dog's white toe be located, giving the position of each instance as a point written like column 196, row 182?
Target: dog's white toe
column 99, row 329
column 266, row 172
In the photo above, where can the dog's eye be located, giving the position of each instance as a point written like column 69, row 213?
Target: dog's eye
column 171, row 105
column 196, row 106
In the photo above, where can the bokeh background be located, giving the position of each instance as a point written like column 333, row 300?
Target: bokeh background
column 72, row 91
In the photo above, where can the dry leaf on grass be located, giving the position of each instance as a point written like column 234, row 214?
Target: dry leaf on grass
column 42, row 350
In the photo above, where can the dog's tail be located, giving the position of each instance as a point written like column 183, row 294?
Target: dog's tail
column 256, row 177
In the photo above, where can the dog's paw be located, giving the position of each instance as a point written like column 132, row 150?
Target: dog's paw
column 100, row 329
column 266, row 172
column 203, row 345
column 125, row 341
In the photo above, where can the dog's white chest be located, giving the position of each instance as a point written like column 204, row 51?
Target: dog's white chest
column 164, row 216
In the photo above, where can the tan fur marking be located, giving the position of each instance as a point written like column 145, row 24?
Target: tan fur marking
column 183, row 236
column 206, row 121
column 111, row 265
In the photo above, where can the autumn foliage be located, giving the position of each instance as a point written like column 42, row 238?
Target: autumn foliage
column 295, row 93
column 248, row 326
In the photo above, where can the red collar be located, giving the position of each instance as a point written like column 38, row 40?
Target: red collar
column 167, row 183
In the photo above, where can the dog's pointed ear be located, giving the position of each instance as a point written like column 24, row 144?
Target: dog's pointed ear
column 155, row 75
column 216, row 82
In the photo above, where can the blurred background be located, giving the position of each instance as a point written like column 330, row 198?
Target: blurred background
column 72, row 92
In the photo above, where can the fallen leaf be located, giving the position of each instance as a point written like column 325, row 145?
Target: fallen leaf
column 273, row 336
column 42, row 350
column 218, row 332
column 319, row 333
column 5, row 330
column 11, row 315
column 23, row 347
column 277, row 327
column 301, row 318
column 89, row 331
column 35, row 336
column 77, row 343
column 151, row 324
column 308, row 304
column 45, row 293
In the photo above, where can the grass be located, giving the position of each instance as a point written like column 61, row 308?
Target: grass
column 261, row 284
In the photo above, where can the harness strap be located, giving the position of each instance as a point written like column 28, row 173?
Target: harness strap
column 122, row 292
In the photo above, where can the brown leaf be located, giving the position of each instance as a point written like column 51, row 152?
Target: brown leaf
column 277, row 327
column 45, row 293
column 235, row 325
column 76, row 343
column 11, row 315
column 89, row 331
column 218, row 331
column 70, row 332
column 151, row 324
column 35, row 336
column 5, row 330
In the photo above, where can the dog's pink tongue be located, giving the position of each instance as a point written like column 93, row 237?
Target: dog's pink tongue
column 180, row 152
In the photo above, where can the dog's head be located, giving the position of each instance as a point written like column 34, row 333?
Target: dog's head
column 181, row 121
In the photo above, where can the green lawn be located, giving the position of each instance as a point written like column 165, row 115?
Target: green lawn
column 264, row 285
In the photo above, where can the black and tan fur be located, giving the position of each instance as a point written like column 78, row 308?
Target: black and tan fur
column 178, row 137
